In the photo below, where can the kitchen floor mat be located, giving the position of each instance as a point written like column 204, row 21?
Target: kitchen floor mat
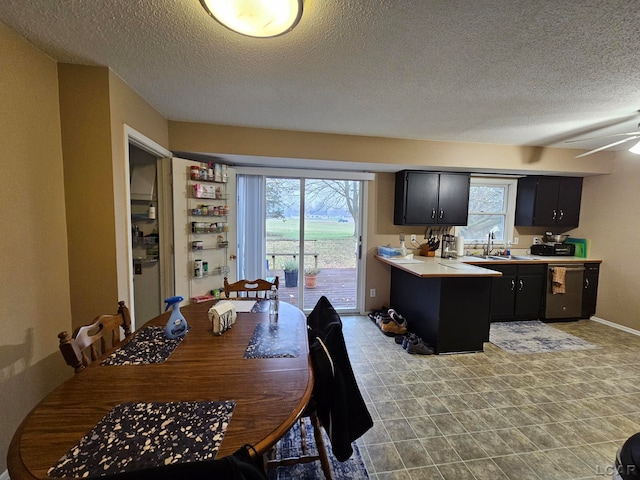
column 148, row 345
column 534, row 336
column 143, row 435
column 274, row 341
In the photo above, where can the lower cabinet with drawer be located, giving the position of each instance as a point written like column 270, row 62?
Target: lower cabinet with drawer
column 518, row 294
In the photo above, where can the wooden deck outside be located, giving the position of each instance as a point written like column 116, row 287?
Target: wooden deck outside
column 337, row 284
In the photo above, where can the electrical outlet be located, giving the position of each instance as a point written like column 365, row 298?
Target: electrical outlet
column 536, row 240
column 402, row 237
column 372, row 292
column 516, row 240
column 413, row 237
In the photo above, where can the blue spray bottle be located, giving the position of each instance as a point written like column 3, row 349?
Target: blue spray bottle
column 177, row 325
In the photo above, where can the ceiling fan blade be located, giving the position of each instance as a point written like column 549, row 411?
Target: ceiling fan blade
column 607, row 146
column 604, row 136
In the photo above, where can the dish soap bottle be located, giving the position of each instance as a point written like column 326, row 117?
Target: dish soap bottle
column 177, row 325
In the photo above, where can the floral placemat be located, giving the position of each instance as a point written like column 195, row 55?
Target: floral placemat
column 148, row 345
column 280, row 340
column 143, row 435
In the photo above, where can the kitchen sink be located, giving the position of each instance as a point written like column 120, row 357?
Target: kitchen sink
column 487, row 257
column 501, row 258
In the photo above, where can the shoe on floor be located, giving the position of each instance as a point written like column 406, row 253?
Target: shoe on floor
column 389, row 327
column 399, row 319
column 374, row 313
column 408, row 339
column 417, row 347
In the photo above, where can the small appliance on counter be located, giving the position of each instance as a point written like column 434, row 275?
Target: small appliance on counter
column 554, row 249
column 554, row 246
column 448, row 246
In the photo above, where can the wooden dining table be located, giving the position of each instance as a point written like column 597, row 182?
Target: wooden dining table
column 270, row 394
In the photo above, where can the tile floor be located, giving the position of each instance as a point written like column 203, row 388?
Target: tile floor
column 495, row 415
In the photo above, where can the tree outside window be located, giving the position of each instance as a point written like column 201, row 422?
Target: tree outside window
column 491, row 210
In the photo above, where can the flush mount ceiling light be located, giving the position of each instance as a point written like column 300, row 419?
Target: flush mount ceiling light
column 256, row 18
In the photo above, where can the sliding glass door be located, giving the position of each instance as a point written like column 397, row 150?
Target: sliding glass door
column 313, row 239
column 307, row 231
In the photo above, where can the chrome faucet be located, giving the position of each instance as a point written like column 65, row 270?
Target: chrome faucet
column 489, row 248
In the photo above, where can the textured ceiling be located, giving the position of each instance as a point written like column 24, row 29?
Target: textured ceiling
column 522, row 72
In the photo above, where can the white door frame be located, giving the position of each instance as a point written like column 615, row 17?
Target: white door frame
column 133, row 137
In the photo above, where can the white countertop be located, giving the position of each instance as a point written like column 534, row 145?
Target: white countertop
column 438, row 267
column 470, row 266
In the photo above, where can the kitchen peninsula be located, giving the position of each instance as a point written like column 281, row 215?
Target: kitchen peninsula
column 451, row 302
column 445, row 301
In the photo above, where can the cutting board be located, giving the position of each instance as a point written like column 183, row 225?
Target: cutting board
column 581, row 246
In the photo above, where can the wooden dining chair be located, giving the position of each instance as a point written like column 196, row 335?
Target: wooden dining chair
column 248, row 288
column 305, row 455
column 91, row 342
column 336, row 402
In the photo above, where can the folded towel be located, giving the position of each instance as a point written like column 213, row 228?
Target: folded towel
column 223, row 316
column 557, row 284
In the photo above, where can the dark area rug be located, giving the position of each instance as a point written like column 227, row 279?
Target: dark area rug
column 352, row 469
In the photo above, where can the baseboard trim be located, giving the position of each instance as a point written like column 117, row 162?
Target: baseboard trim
column 5, row 475
column 610, row 324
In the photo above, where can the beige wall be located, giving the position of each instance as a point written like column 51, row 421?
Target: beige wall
column 34, row 291
column 472, row 157
column 95, row 106
column 86, row 141
column 609, row 219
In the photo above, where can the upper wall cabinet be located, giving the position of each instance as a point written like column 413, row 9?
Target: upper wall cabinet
column 549, row 202
column 427, row 198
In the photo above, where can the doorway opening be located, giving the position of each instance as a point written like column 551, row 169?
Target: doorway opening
column 145, row 237
column 134, row 210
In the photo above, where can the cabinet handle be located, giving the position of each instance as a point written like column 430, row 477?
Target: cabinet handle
column 586, row 283
column 513, row 285
column 520, row 284
column 561, row 214
column 433, row 213
column 441, row 213
column 555, row 214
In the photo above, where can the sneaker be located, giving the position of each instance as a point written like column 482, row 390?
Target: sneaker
column 399, row 319
column 374, row 313
column 417, row 347
column 399, row 339
column 389, row 327
column 408, row 339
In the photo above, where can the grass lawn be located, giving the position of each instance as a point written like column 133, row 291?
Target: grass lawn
column 332, row 240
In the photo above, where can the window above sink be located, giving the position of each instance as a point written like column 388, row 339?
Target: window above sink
column 492, row 204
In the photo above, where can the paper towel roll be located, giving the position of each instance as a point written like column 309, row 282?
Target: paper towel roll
column 460, row 245
column 223, row 316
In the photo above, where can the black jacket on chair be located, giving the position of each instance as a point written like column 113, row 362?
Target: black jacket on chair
column 338, row 400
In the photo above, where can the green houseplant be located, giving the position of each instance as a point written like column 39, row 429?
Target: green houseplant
column 311, row 276
column 290, row 268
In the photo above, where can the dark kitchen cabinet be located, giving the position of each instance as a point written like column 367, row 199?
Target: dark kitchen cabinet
column 518, row 294
column 428, row 198
column 549, row 202
column 590, row 292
